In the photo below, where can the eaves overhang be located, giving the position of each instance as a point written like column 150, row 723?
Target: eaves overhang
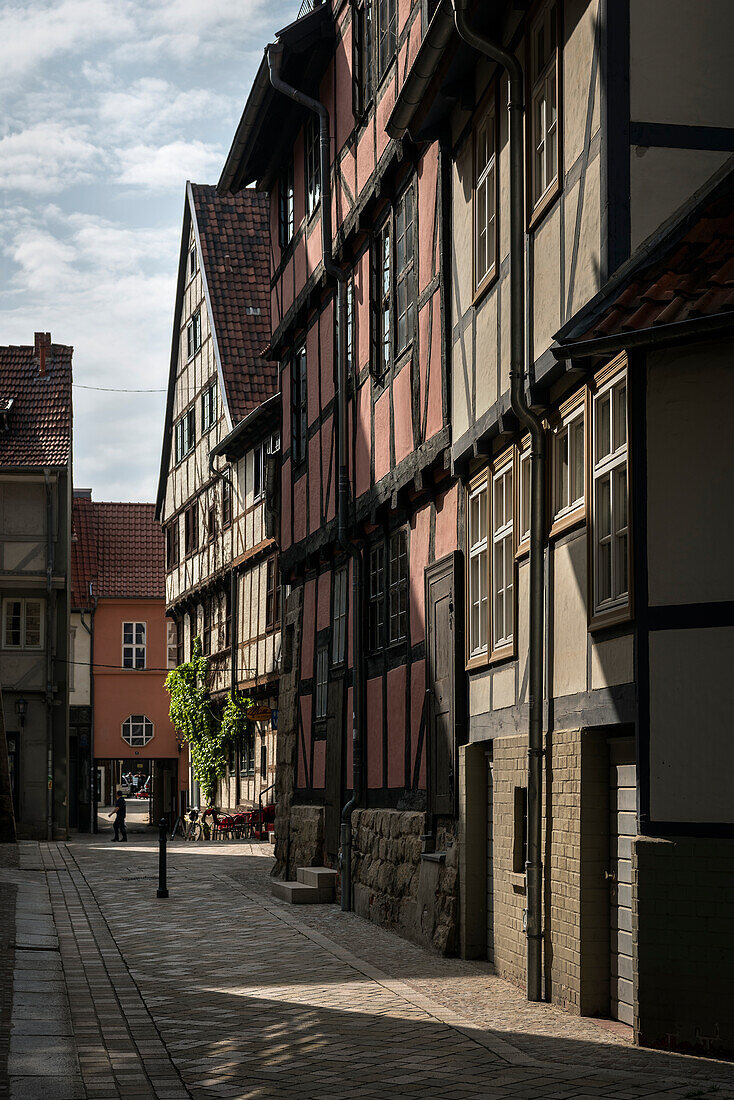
column 308, row 43
column 261, row 420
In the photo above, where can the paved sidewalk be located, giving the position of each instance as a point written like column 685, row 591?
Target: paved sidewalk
column 220, row 991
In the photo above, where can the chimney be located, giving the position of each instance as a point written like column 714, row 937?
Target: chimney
column 42, row 345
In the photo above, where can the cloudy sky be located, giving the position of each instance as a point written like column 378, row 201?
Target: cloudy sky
column 109, row 106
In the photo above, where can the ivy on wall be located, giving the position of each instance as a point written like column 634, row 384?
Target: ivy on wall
column 192, row 716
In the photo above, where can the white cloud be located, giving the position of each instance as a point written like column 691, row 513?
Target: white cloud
column 34, row 33
column 153, row 108
column 167, row 167
column 48, row 157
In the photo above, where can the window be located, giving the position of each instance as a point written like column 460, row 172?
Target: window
column 544, row 102
column 185, row 434
column 263, row 761
column 258, row 470
column 272, row 594
column 322, row 681
column 133, row 645
column 137, row 730
column 171, row 643
column 350, row 350
column 404, row 266
column 526, row 468
column 339, row 617
column 23, row 624
column 387, row 39
column 191, row 529
column 172, row 544
column 394, row 284
column 313, row 171
column 376, row 599
column 209, row 407
column 228, row 618
column 568, row 464
column 503, row 558
column 610, row 519
column 520, row 830
column 478, row 568
column 192, row 262
column 206, row 629
column 179, row 642
column 398, row 586
column 211, row 523
column 361, row 57
column 299, row 407
column 226, row 503
column 383, row 287
column 286, row 206
column 247, row 752
column 232, row 757
column 193, row 334
column 485, row 200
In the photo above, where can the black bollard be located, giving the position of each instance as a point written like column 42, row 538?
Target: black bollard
column 162, row 830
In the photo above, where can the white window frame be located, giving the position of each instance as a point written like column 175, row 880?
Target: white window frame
column 209, row 407
column 562, row 478
column 259, row 463
column 544, row 127
column 321, row 684
column 138, row 720
column 524, row 494
column 24, row 644
column 485, row 211
column 611, row 524
column 478, row 571
column 312, row 175
column 503, row 542
column 132, row 650
column 193, row 334
column 339, row 617
column 185, row 434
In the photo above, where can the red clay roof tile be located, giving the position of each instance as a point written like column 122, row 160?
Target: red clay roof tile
column 38, row 429
column 119, row 548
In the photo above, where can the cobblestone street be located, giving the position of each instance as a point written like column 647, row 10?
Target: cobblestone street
column 220, row 991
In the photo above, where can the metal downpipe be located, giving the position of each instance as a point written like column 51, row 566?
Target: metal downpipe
column 275, row 57
column 530, row 421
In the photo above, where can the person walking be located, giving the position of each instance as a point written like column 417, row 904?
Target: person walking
column 119, row 812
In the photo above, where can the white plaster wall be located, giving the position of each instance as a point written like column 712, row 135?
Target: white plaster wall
column 661, row 180
column 80, row 653
column 691, row 744
column 690, row 507
column 569, row 618
column 681, row 61
column 612, row 662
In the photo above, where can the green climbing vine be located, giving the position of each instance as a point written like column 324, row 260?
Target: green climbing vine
column 191, row 713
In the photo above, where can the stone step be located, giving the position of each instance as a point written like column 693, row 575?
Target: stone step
column 298, row 893
column 323, row 877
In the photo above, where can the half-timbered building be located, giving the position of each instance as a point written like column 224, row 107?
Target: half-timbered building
column 358, row 277
column 215, row 498
column 622, row 255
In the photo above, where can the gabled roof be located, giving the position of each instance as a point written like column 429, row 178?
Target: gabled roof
column 232, row 234
column 118, row 549
column 36, row 429
column 683, row 283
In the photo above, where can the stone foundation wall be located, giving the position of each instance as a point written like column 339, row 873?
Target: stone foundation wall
column 683, row 891
column 305, row 839
column 396, row 887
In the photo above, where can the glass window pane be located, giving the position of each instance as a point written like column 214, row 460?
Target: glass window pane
column 603, row 516
column 619, row 396
column 33, row 623
column 601, row 427
column 576, row 444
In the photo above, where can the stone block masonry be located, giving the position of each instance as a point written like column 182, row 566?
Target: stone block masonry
column 396, row 887
column 684, row 931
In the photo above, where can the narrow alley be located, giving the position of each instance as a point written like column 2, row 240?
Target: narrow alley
column 220, row 991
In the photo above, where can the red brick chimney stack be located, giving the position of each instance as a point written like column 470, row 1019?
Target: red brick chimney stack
column 42, row 344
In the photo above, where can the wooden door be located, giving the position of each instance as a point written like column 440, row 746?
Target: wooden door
column 441, row 643
column 623, row 827
column 334, row 794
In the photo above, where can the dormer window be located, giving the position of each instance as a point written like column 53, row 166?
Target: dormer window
column 6, row 405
